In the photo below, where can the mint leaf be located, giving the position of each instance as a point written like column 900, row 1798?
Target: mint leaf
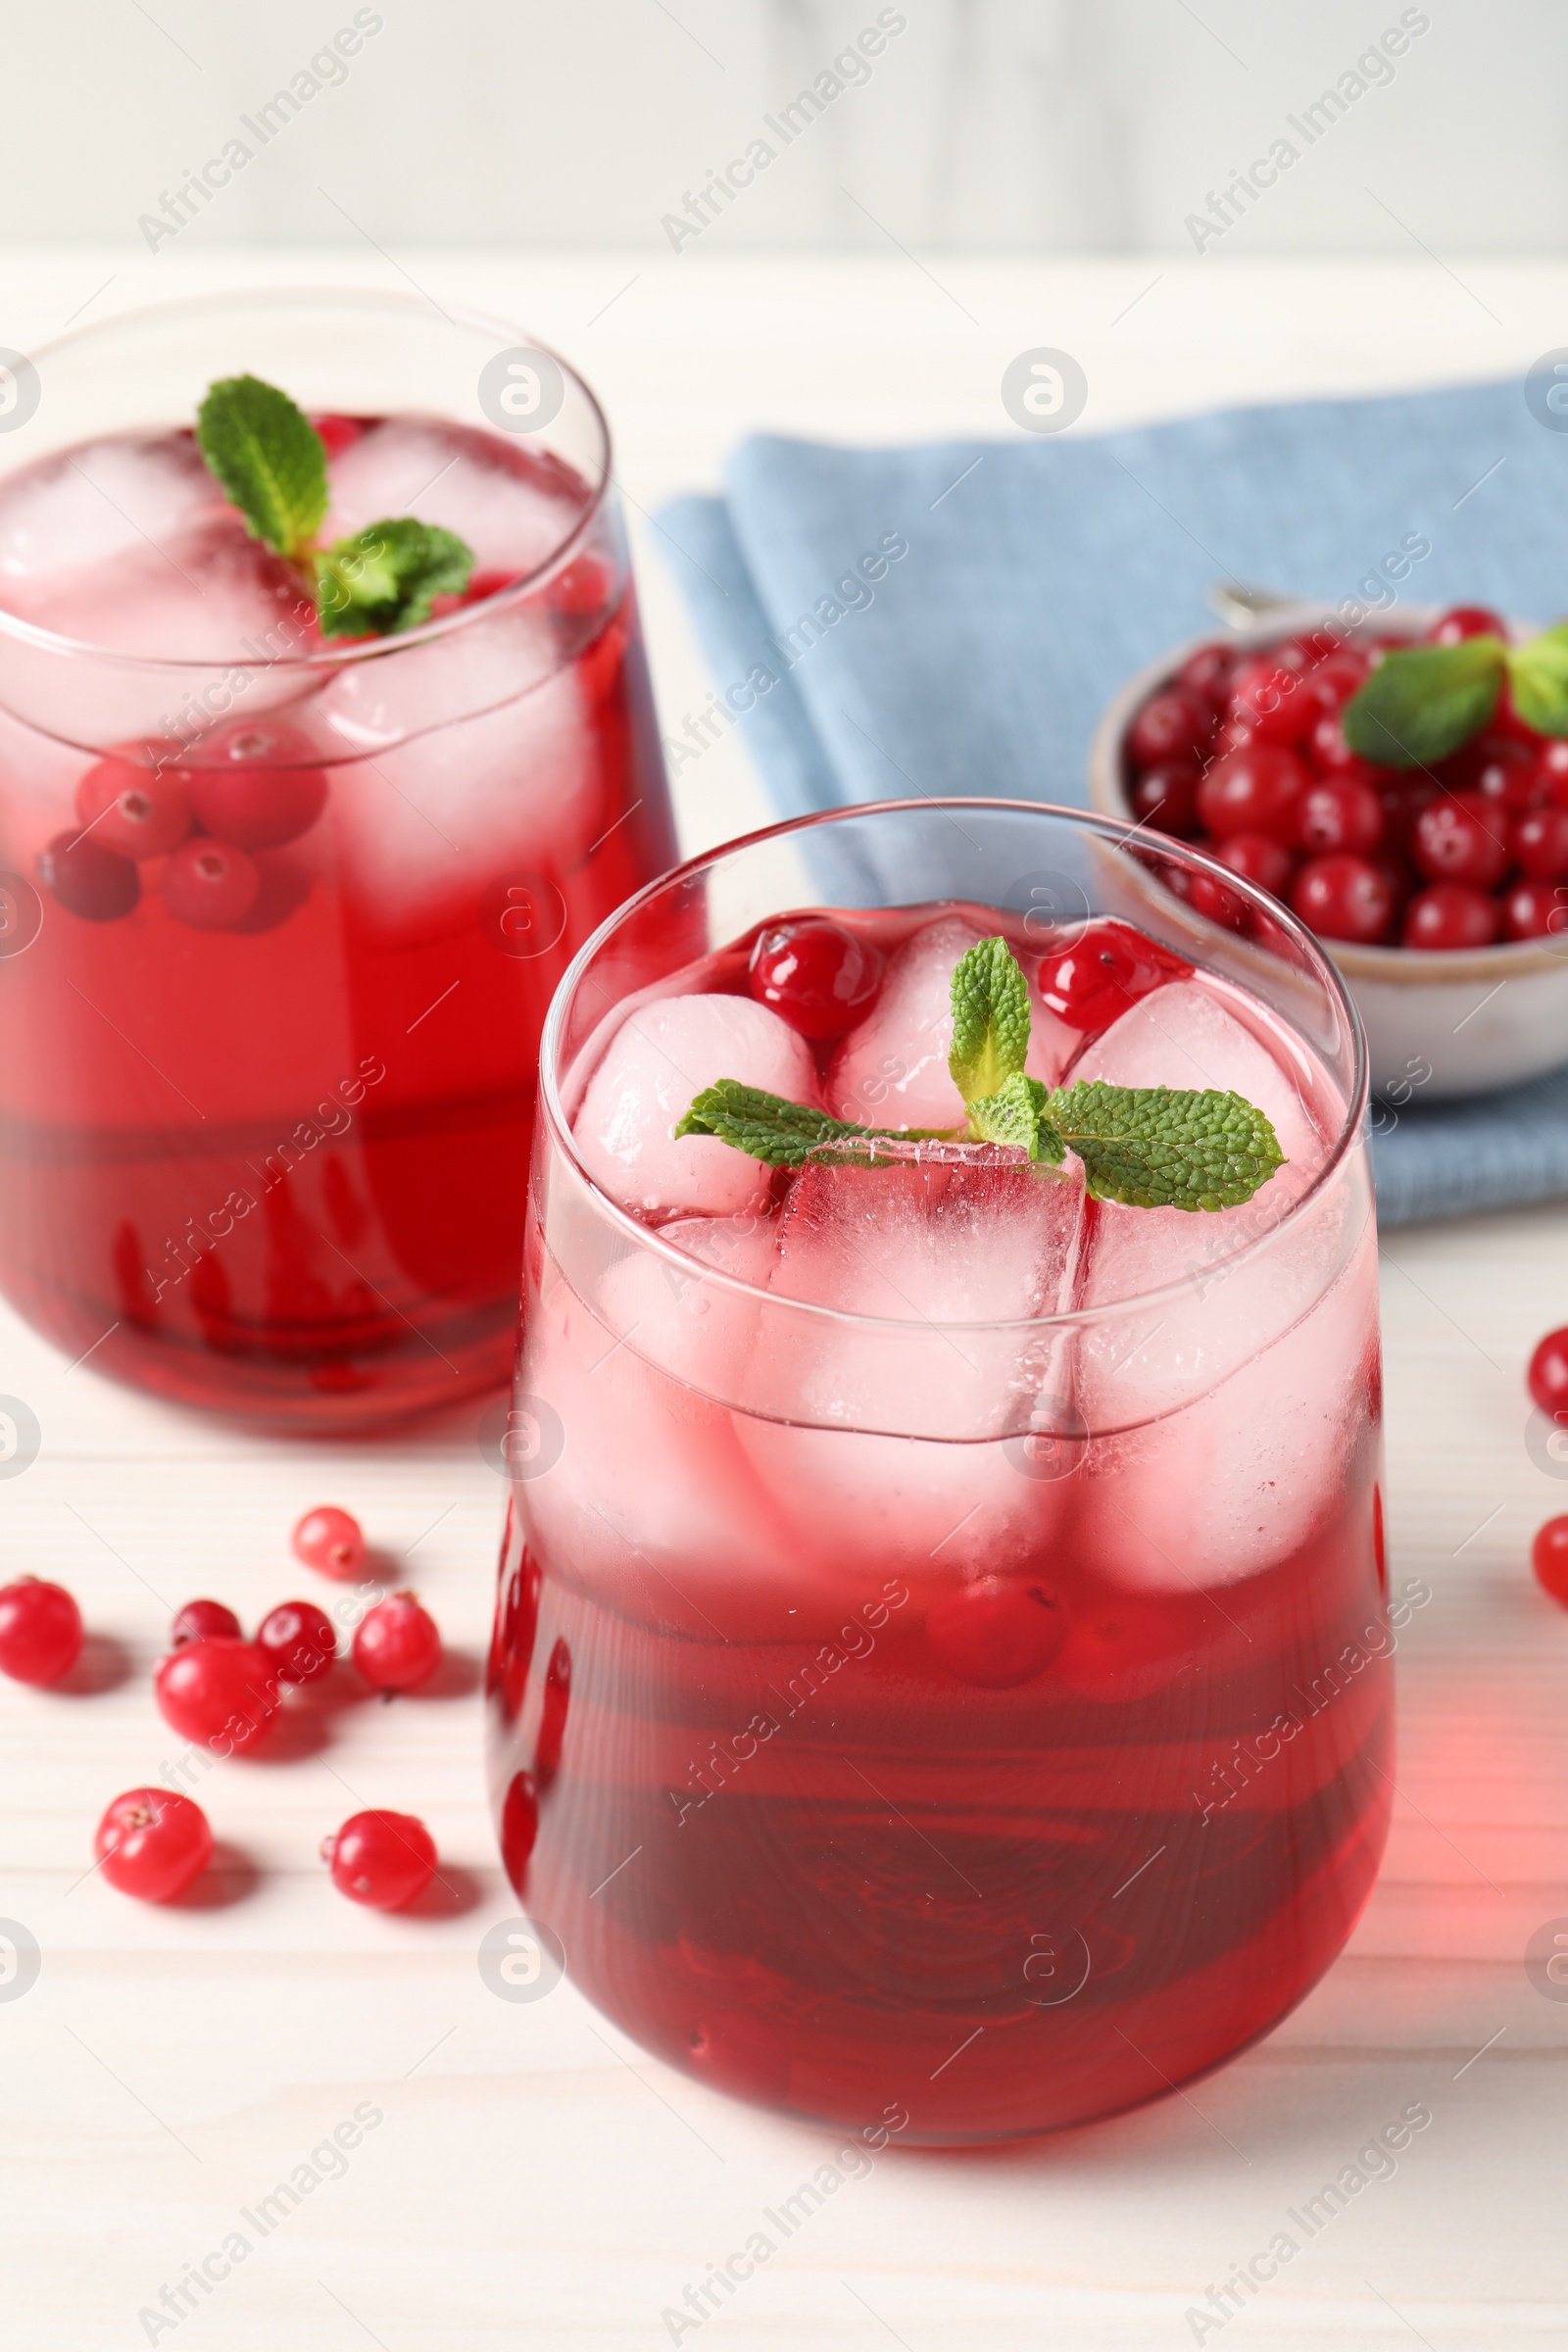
column 1423, row 700
column 784, row 1133
column 1154, row 1147
column 269, row 458
column 990, row 1019
column 1539, row 675
column 1016, row 1114
column 386, row 576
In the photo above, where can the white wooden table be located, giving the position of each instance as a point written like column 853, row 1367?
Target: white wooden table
column 534, row 2180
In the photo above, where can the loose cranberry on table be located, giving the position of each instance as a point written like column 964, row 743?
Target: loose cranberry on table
column 329, row 1540
column 198, row 1620
column 1461, row 836
column 1343, row 896
column 88, row 880
column 211, row 885
column 151, row 1842
column 257, row 784
column 1535, row 911
column 1257, row 857
column 1548, row 1376
column 381, row 1859
column 1171, row 725
column 300, row 1639
column 1339, row 813
column 396, row 1645
column 1253, row 790
column 815, row 974
column 40, row 1630
column 1166, row 797
column 217, row 1688
column 1540, row 844
column 135, row 811
column 1109, row 966
column 1449, row 916
column 1462, row 621
column 1549, row 1556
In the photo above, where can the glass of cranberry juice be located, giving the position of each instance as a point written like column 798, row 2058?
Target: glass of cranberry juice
column 941, row 1659
column 261, row 1156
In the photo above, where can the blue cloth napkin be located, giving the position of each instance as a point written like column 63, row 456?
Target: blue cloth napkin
column 951, row 619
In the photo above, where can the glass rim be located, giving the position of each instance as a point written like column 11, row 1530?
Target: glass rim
column 1112, row 829
column 355, row 650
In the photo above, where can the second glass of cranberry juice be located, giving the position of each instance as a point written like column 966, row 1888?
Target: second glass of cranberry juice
column 263, row 1156
column 941, row 1661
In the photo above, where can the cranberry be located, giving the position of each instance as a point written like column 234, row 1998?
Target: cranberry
column 200, row 1620
column 1548, row 1376
column 1166, row 797
column 816, row 975
column 553, row 1716
column 151, row 1842
column 1552, row 771
column 1329, row 751
column 1497, row 766
column 1549, row 1556
column 520, row 1826
column 381, row 1859
column 40, row 1630
column 996, row 1633
column 257, row 784
column 396, row 1645
column 1257, row 857
column 1210, row 896
column 1462, row 838
column 1253, row 790
column 1465, row 620
column 216, row 1689
column 1206, row 675
column 1269, row 697
column 1109, row 967
column 1342, row 896
column 1535, row 911
column 1403, row 798
column 87, row 879
column 299, row 1640
column 1450, row 915
column 337, row 433
column 209, row 885
column 329, row 1540
column 1332, row 683
column 1171, row 725
column 583, row 589
column 1339, row 813
column 1234, row 735
column 1540, row 844
column 135, row 811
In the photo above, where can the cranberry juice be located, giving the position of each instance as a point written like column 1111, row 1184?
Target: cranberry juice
column 283, row 917
column 912, row 1704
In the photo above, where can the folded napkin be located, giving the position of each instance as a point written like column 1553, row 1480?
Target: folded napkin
column 952, row 618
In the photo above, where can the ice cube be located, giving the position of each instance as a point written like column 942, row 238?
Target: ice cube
column 90, row 507
column 513, row 506
column 1182, row 1035
column 663, row 1054
column 891, row 1071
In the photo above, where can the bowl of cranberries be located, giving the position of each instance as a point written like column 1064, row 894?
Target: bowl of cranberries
column 1403, row 786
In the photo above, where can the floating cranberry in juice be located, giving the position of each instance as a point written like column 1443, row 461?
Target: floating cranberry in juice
column 942, row 1654
column 281, row 912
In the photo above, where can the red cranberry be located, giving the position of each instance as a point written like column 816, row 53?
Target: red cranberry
column 1109, row 967
column 1535, row 911
column 257, row 783
column 1465, row 620
column 217, row 1688
column 1339, row 813
column 1171, row 725
column 1233, row 735
column 1254, row 790
column 1496, row 766
column 1210, row 896
column 1271, row 699
column 817, row 975
column 1341, row 896
column 1462, row 838
column 1257, row 857
column 520, row 1826
column 583, row 589
column 995, row 1633
column 1327, row 750
column 1548, row 1376
column 209, row 885
column 40, row 1630
column 329, row 1539
column 553, row 1716
column 134, row 811
column 1552, row 771
column 1206, row 675
column 396, row 1645
column 299, row 1640
column 151, row 1842
column 201, row 1621
column 337, row 433
column 1450, row 915
column 1332, row 683
column 1403, row 798
column 381, row 1859
column 1166, row 797
column 87, row 879
column 1549, row 1556
column 1541, row 842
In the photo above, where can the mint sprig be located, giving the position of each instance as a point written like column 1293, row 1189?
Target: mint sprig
column 271, row 464
column 1422, row 702
column 1150, row 1146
